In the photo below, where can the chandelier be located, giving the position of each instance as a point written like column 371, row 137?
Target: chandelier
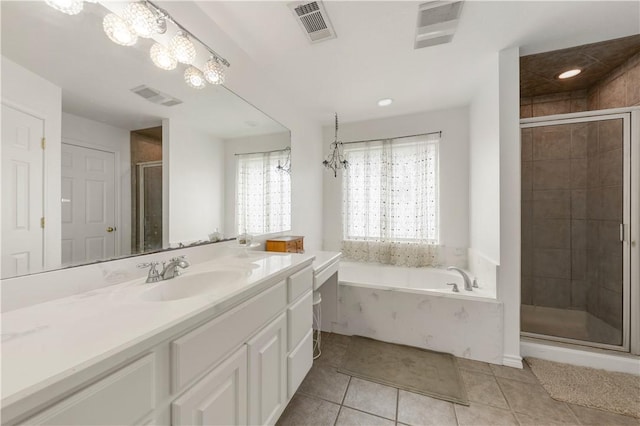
column 335, row 160
column 286, row 167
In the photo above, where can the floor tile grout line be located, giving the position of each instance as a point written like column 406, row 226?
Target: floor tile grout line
column 366, row 412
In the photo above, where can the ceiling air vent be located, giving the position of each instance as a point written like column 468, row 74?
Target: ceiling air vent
column 313, row 19
column 437, row 22
column 155, row 96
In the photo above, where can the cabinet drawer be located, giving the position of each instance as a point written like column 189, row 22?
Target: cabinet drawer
column 299, row 362
column 122, row 398
column 194, row 353
column 299, row 282
column 300, row 319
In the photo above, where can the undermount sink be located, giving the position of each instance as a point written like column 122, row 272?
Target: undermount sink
column 191, row 285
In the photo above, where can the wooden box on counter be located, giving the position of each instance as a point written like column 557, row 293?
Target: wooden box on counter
column 288, row 244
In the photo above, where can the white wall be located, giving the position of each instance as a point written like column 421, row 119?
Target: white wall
column 243, row 146
column 246, row 80
column 92, row 134
column 32, row 94
column 484, row 165
column 194, row 162
column 509, row 269
column 454, row 169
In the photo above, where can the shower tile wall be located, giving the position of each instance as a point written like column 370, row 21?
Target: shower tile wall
column 554, row 193
column 604, row 215
column 571, row 210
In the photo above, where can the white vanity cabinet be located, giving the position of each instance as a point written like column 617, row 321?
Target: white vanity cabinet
column 239, row 367
column 220, row 398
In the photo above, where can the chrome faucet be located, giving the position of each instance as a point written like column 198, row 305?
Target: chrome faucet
column 153, row 276
column 465, row 277
column 170, row 270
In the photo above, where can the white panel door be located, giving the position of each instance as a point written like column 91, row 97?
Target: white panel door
column 88, row 204
column 22, row 193
column 220, row 398
column 268, row 373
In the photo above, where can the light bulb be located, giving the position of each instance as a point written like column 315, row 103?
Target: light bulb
column 182, row 48
column 70, row 7
column 569, row 74
column 213, row 71
column 118, row 30
column 194, row 78
column 141, row 19
column 162, row 58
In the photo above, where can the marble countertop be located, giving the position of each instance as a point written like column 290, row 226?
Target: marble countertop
column 324, row 259
column 48, row 343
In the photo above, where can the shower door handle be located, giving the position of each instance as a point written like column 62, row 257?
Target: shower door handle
column 622, row 233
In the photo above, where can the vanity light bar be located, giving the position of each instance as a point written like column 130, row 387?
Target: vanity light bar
column 126, row 22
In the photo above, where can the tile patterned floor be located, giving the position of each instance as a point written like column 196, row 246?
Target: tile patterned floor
column 498, row 396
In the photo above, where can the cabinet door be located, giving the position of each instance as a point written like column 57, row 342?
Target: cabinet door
column 268, row 372
column 218, row 399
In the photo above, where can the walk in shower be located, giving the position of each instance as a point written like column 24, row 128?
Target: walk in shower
column 575, row 266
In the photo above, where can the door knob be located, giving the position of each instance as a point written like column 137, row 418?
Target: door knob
column 110, row 229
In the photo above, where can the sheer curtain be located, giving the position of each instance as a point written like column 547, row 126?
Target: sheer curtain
column 390, row 202
column 263, row 193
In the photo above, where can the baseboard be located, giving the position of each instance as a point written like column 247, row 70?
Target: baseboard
column 512, row 361
column 587, row 357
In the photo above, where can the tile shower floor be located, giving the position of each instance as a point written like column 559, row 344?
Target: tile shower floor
column 498, row 396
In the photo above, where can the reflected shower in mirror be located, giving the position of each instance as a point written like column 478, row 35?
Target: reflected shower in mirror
column 105, row 155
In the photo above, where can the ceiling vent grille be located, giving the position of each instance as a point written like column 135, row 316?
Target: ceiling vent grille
column 155, row 96
column 437, row 22
column 313, row 19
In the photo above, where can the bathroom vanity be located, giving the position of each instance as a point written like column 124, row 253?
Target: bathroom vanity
column 228, row 342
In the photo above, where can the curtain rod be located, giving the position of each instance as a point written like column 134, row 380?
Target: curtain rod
column 265, row 152
column 397, row 137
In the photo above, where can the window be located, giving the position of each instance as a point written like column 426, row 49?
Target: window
column 390, row 200
column 263, row 193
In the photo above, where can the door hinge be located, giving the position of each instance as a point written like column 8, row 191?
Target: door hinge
column 43, row 143
column 42, row 222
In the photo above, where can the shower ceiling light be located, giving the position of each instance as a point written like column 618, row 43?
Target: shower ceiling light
column 569, row 74
column 194, row 78
column 144, row 21
column 182, row 48
column 162, row 58
column 385, row 102
column 70, row 7
column 213, row 71
column 118, row 30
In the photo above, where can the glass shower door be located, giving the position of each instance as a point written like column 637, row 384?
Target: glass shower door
column 575, row 200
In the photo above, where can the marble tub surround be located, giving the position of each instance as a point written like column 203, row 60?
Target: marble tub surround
column 55, row 345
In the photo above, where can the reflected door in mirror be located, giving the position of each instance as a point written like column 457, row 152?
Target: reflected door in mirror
column 22, row 194
column 88, row 205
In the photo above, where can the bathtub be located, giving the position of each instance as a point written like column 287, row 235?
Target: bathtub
column 414, row 306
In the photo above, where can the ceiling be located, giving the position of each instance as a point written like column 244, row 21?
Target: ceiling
column 538, row 72
column 373, row 55
column 96, row 75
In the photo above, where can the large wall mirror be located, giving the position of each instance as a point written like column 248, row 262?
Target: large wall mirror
column 105, row 155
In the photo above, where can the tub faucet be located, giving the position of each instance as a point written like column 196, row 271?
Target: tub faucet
column 465, row 277
column 171, row 270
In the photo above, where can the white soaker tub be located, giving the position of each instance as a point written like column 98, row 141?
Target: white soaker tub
column 416, row 307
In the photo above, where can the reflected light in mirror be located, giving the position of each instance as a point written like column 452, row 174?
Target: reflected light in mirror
column 141, row 19
column 194, row 78
column 70, row 7
column 118, row 30
column 162, row 58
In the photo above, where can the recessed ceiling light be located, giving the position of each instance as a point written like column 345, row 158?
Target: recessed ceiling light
column 569, row 74
column 385, row 102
